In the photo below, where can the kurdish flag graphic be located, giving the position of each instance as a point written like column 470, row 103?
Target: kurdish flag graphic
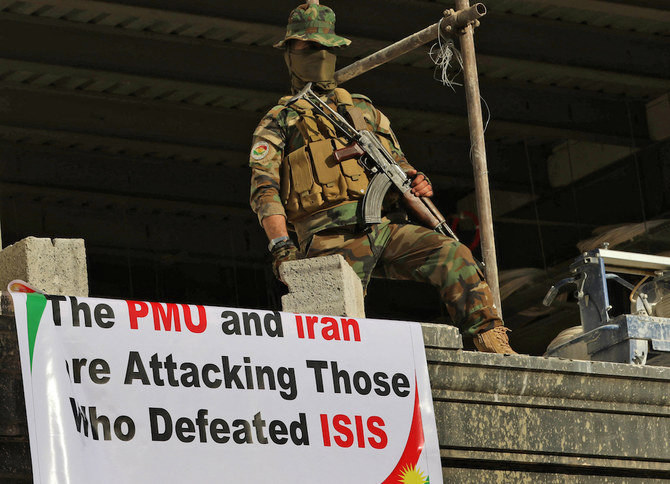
column 406, row 470
column 35, row 304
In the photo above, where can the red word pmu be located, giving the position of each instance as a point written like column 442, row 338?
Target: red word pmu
column 167, row 317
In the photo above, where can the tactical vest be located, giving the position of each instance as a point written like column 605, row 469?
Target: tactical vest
column 311, row 179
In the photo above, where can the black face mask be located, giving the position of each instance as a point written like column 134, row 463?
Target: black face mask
column 311, row 65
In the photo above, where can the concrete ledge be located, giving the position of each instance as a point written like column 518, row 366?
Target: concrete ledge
column 441, row 336
column 500, row 418
column 508, row 418
column 55, row 266
column 322, row 285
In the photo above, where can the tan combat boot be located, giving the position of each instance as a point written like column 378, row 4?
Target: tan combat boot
column 494, row 341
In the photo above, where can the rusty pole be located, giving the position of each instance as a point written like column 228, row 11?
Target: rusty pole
column 451, row 21
column 479, row 166
column 454, row 21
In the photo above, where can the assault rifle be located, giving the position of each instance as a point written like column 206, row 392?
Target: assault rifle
column 381, row 164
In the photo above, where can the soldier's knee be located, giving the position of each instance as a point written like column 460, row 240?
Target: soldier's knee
column 463, row 251
column 455, row 255
column 455, row 249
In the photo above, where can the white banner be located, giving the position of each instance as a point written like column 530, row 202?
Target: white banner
column 130, row 391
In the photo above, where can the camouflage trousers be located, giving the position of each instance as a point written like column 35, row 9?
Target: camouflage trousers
column 412, row 252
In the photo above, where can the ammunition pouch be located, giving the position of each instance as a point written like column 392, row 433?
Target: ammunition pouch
column 311, row 178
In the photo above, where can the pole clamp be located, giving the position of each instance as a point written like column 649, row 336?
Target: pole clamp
column 456, row 21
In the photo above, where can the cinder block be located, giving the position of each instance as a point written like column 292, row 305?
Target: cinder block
column 55, row 266
column 322, row 285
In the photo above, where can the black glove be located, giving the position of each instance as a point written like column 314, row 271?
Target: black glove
column 283, row 252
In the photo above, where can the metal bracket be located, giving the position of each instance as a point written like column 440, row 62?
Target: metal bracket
column 456, row 21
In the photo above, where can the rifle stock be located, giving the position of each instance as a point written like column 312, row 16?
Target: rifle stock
column 423, row 210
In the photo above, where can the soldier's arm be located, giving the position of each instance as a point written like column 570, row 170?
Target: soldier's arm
column 381, row 126
column 275, row 226
column 421, row 186
column 265, row 161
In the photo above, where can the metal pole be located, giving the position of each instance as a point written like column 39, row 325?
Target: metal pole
column 479, row 156
column 386, row 54
column 451, row 21
column 463, row 18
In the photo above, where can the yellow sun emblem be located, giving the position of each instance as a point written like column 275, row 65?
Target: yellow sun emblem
column 412, row 475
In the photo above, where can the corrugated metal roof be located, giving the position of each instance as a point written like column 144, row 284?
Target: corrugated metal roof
column 118, row 146
column 259, row 34
column 598, row 13
column 160, row 22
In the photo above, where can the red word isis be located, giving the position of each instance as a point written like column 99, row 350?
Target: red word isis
column 346, row 431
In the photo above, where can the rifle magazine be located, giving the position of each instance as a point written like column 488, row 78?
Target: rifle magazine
column 374, row 196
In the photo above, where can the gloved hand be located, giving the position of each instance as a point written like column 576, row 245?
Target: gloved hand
column 281, row 253
column 421, row 186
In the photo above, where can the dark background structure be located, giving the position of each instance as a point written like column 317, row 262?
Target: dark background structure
column 128, row 123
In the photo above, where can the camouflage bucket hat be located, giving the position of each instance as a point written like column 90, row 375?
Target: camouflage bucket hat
column 314, row 23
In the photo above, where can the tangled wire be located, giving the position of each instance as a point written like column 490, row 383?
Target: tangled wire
column 442, row 53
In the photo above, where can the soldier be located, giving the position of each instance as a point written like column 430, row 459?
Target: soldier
column 296, row 184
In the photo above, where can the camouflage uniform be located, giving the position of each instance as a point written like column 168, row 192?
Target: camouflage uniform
column 395, row 248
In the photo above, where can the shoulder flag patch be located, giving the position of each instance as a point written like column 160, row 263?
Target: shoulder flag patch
column 260, row 150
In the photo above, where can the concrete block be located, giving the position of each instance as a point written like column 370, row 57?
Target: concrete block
column 322, row 285
column 55, row 266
